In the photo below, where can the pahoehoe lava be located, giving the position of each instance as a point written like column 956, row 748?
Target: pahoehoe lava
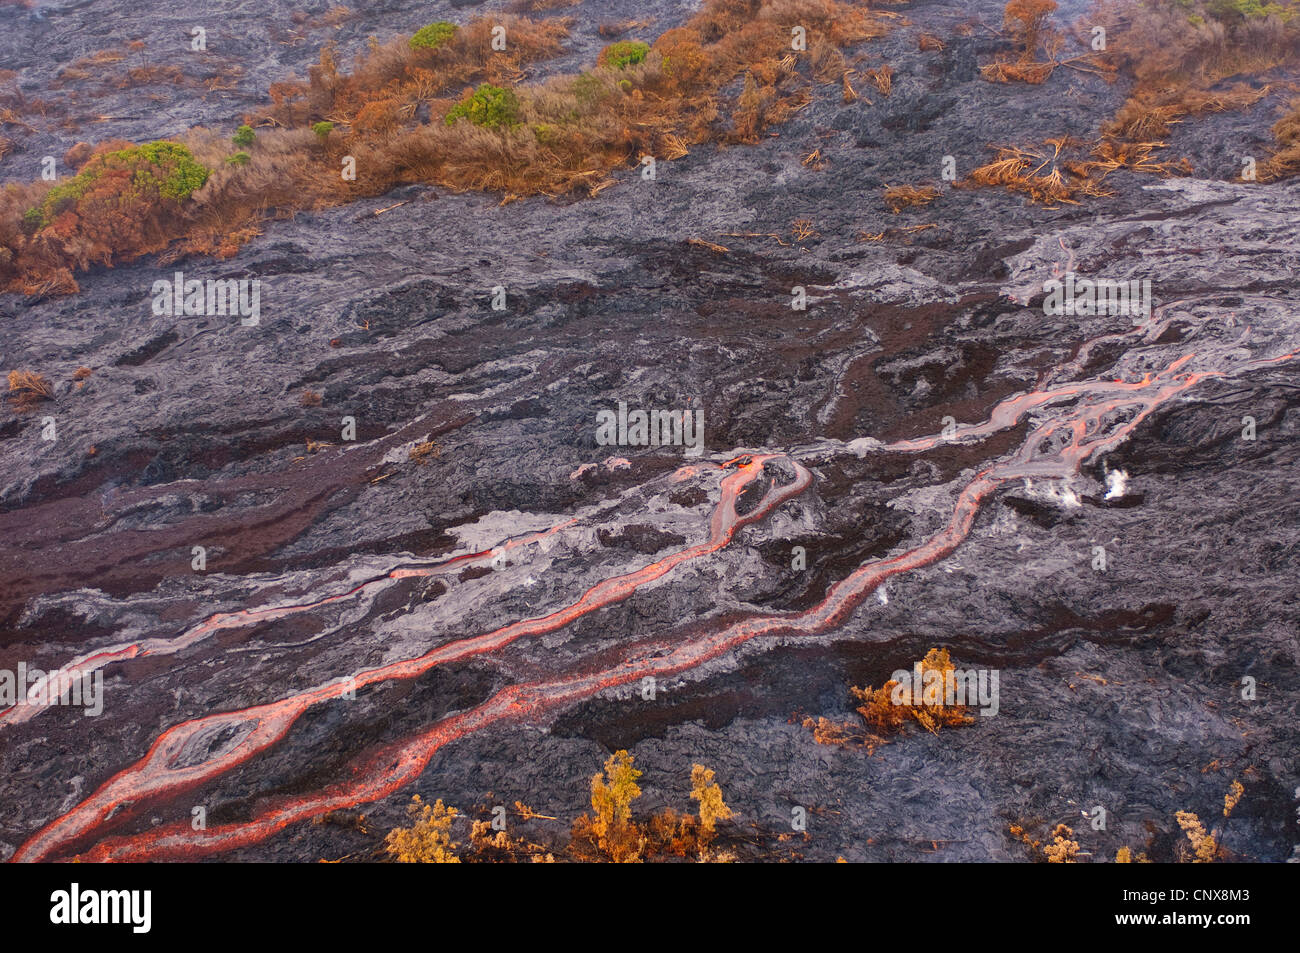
column 468, row 596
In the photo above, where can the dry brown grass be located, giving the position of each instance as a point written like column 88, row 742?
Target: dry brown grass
column 1177, row 57
column 899, row 197
column 541, row 6
column 1039, row 45
column 1028, row 172
column 1063, row 172
column 130, row 67
column 887, row 709
column 1149, row 115
column 814, row 160
column 1032, row 73
column 849, row 94
column 612, row 31
column 1111, row 154
column 27, row 390
column 904, row 232
column 421, row 452
column 803, row 229
column 1285, row 160
column 883, row 78
column 569, row 132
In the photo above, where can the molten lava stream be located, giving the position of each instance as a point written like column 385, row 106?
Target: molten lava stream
column 156, row 775
column 86, row 664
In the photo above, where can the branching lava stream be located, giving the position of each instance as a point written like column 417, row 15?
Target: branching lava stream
column 1072, row 421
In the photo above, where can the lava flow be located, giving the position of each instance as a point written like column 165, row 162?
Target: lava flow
column 1074, row 421
column 257, row 728
column 86, row 664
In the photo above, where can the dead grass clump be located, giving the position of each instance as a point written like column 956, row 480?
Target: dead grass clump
column 421, row 452
column 1064, row 172
column 1031, row 73
column 1285, row 161
column 1061, row 849
column 1039, row 45
column 905, row 233
column 1111, row 154
column 827, row 62
column 78, row 154
column 1031, row 173
column 612, row 31
column 883, row 78
column 1149, row 115
column 1142, row 118
column 129, row 68
column 612, row 832
column 887, row 709
column 541, row 6
column 1026, row 22
column 899, row 197
column 849, row 94
column 27, row 390
column 803, row 229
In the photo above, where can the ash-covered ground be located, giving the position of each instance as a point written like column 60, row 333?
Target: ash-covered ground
column 1120, row 687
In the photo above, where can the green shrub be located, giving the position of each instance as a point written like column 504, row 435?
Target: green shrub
column 1228, row 10
column 135, row 174
column 624, row 53
column 33, row 219
column 239, row 158
column 433, row 36
column 243, row 137
column 181, row 174
column 490, row 106
column 323, row 129
column 589, row 91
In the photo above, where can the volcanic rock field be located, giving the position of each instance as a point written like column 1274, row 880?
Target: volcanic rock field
column 476, row 599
